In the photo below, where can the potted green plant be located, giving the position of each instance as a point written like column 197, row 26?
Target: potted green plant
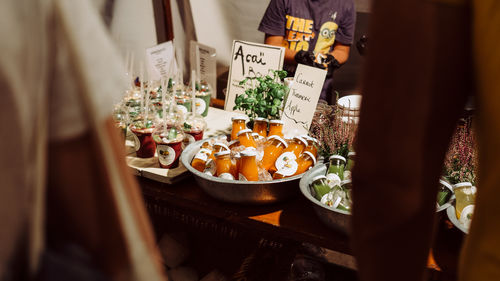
column 264, row 98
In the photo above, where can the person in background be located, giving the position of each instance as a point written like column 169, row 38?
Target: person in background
column 317, row 33
column 425, row 58
column 69, row 208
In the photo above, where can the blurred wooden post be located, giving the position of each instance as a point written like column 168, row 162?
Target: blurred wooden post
column 217, row 103
column 163, row 20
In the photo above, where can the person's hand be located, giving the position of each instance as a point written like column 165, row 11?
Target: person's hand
column 331, row 64
column 308, row 58
column 305, row 57
column 327, row 61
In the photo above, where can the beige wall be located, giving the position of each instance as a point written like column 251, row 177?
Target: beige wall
column 133, row 27
column 215, row 23
column 219, row 22
column 363, row 6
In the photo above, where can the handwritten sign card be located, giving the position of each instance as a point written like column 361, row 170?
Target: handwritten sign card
column 249, row 60
column 160, row 61
column 302, row 99
column 203, row 60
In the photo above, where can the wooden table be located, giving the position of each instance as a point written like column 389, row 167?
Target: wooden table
column 294, row 219
column 279, row 224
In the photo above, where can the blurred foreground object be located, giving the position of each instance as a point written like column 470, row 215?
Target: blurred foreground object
column 415, row 90
column 64, row 177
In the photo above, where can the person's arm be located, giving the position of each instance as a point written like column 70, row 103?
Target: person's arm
column 340, row 52
column 278, row 41
column 345, row 34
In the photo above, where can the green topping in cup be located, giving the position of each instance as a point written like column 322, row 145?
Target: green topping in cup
column 172, row 134
column 157, row 138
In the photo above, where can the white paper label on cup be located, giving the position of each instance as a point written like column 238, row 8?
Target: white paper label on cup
column 283, row 159
column 137, row 143
column 327, row 199
column 182, row 109
column 210, row 167
column 226, row 176
column 166, row 154
column 466, row 216
column 189, row 139
column 347, row 175
column 201, row 105
column 333, row 180
column 289, row 168
column 203, row 154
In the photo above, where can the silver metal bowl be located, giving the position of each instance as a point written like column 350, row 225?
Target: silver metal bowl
column 332, row 217
column 234, row 191
column 339, row 219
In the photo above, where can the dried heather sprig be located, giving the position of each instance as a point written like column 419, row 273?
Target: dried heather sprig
column 461, row 161
column 335, row 135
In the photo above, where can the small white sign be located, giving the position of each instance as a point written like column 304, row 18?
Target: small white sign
column 249, row 60
column 204, row 61
column 302, row 99
column 160, row 61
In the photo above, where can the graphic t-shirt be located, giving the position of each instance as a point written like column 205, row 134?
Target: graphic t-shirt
column 310, row 25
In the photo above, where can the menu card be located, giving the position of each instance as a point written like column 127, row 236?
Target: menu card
column 160, row 61
column 203, row 60
column 302, row 99
column 250, row 60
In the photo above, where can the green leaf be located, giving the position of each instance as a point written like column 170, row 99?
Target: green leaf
column 282, row 74
column 274, row 110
